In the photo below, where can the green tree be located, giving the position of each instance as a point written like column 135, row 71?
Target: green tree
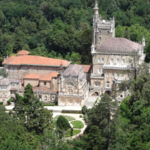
column 32, row 113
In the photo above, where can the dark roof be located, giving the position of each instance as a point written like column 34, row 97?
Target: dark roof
column 118, row 45
column 74, row 70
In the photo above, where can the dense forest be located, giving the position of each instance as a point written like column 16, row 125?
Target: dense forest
column 63, row 28
column 109, row 126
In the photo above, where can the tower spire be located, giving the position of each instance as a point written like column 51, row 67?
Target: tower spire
column 96, row 12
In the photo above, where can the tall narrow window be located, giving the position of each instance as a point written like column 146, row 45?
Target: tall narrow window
column 99, row 70
column 43, row 69
column 123, row 61
column 99, row 60
column 37, row 69
column 112, row 61
column 102, row 71
column 49, row 70
column 15, row 75
column 118, row 61
column 107, row 84
column 102, row 60
column 113, row 75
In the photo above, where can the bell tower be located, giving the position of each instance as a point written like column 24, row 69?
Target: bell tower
column 102, row 29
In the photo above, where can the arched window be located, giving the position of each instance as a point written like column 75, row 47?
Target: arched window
column 112, row 61
column 70, row 84
column 118, row 61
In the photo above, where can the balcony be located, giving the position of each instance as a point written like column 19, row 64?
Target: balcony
column 101, row 76
column 78, row 96
column 116, row 67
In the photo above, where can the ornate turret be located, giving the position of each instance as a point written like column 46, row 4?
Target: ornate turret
column 96, row 10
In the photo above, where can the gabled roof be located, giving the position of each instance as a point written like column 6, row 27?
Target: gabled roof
column 74, row 70
column 36, row 60
column 41, row 77
column 118, row 45
column 23, row 52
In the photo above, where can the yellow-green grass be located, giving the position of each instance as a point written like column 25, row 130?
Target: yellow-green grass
column 77, row 124
column 75, row 132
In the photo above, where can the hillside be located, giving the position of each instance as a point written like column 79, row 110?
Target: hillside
column 63, row 28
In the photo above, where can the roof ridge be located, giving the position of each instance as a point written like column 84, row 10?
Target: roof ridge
column 129, row 42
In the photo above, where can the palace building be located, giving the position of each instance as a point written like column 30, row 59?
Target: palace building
column 111, row 56
column 56, row 80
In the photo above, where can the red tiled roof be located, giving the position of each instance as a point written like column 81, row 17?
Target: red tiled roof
column 118, row 44
column 41, row 77
column 23, row 52
column 40, row 88
column 43, row 89
column 87, row 68
column 37, row 60
column 49, row 76
column 7, row 60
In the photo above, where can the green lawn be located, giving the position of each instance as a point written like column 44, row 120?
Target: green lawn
column 77, row 124
column 67, row 117
column 75, row 132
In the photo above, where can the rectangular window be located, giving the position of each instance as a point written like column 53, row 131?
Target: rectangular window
column 11, row 75
column 44, row 83
column 99, row 60
column 107, row 74
column 49, row 70
column 102, row 60
column 37, row 69
column 21, row 74
column 11, row 69
column 107, row 84
column 113, row 74
column 43, row 69
column 123, row 61
column 15, row 69
column 99, row 70
column 15, row 75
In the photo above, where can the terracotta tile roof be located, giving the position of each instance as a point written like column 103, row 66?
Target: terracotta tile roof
column 7, row 60
column 118, row 44
column 41, row 77
column 37, row 60
column 32, row 76
column 87, row 68
column 40, row 88
column 23, row 52
column 43, row 89
column 49, row 76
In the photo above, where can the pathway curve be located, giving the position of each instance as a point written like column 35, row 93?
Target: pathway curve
column 76, row 116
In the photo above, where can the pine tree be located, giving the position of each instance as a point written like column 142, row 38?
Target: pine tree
column 31, row 112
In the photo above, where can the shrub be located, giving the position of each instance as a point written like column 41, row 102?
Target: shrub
column 9, row 101
column 80, row 116
column 49, row 104
column 63, row 123
column 1, row 103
